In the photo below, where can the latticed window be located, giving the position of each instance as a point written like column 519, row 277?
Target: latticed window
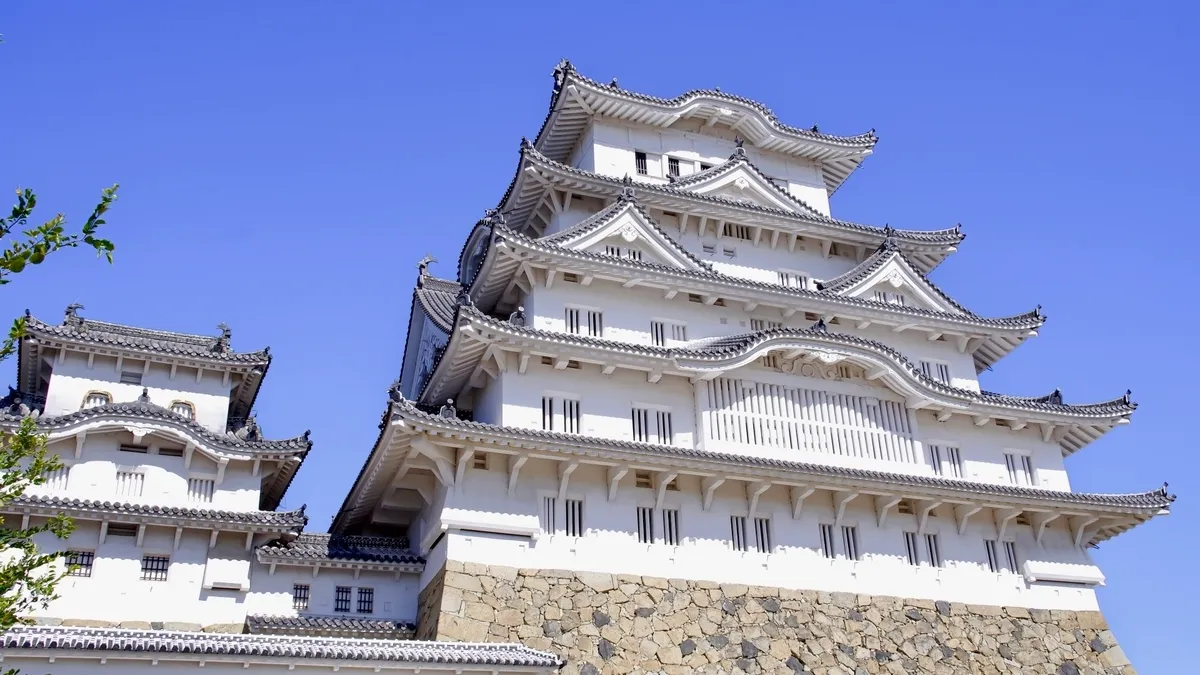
column 827, row 541
column 640, row 161
column 934, row 549
column 946, row 461
column 1020, row 469
column 645, row 525
column 671, row 527
column 910, row 548
column 573, row 510
column 737, row 533
column 572, row 416
column 184, row 409
column 672, row 166
column 993, row 561
column 200, row 490
column 130, row 483
column 154, row 567
column 96, row 398
column 130, row 377
column 341, row 599
column 79, row 563
column 366, row 600
column 762, row 534
column 850, row 542
column 57, row 479
column 651, row 426
column 300, row 594
column 793, row 279
column 936, row 371
column 549, row 515
column 1010, row 556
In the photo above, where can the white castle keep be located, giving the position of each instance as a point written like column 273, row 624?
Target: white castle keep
column 669, row 416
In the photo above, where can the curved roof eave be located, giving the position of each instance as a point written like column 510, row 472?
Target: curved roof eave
column 569, row 114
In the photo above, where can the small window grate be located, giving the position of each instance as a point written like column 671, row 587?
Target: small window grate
column 479, row 461
column 572, row 416
column 827, row 541
column 671, row 527
column 574, row 517
column 300, row 595
column 184, row 409
column 200, row 490
column 933, row 550
column 993, row 562
column 79, row 563
column 58, row 478
column 762, row 535
column 936, row 371
column 672, row 166
column 645, row 525
column 793, row 279
column 737, row 231
column 737, row 533
column 910, row 548
column 1010, row 556
column 550, row 515
column 640, row 161
column 341, row 599
column 850, row 542
column 366, row 601
column 129, row 377
column 155, row 567
column 130, row 483
column 95, row 399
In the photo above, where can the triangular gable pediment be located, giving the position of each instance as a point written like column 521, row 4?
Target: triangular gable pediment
column 896, row 277
column 740, row 182
column 622, row 228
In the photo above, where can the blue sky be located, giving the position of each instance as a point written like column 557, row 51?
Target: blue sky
column 283, row 166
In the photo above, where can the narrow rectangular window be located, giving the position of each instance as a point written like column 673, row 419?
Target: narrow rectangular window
column 729, row 251
column 935, row 459
column 764, row 324
column 827, row 541
column 130, row 483
column 762, row 535
column 1010, row 556
column 79, row 563
column 993, row 562
column 658, row 334
column 792, row 279
column 666, row 433
column 154, row 567
column 549, row 515
column 639, row 160
column 57, row 479
column 890, row 298
column 574, row 517
column 737, row 533
column 547, row 413
column 642, row 479
column 140, row 449
column 645, row 525
column 200, row 490
column 572, row 320
column 737, row 231
column 366, row 601
column 1020, row 469
column 479, row 461
column 933, row 549
column 710, row 249
column 128, row 377
column 954, row 460
column 850, row 542
column 300, row 596
column 936, row 371
column 705, row 167
column 341, row 599
column 910, row 548
column 572, row 417
column 640, row 418
column 670, row 519
column 633, row 254
column 672, row 166
column 613, row 250
column 595, row 324
column 679, row 332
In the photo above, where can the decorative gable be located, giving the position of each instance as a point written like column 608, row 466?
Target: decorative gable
column 625, row 230
column 740, row 181
column 886, row 276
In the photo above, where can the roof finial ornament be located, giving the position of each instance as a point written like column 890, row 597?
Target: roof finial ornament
column 614, row 84
column 71, row 315
column 1127, row 397
column 394, row 391
column 517, row 318
column 739, row 152
column 464, row 297
column 250, row 431
column 627, row 193
column 424, row 263
column 1055, row 397
column 564, row 66
column 145, row 397
column 221, row 346
column 494, row 217
column 448, row 411
column 819, row 326
column 816, row 129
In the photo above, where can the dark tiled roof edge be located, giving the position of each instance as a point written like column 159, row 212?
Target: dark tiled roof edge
column 290, row 520
column 182, row 345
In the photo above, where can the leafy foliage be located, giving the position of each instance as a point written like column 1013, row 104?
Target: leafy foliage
column 28, row 577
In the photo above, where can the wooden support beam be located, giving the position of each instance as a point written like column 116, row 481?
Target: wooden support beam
column 608, row 369
column 654, row 376
column 465, row 457
column 884, row 504
column 944, row 415
column 523, row 362
column 1078, row 524
column 664, row 479
column 1039, row 521
column 925, row 507
column 515, row 462
column 178, row 537
column 708, row 487
column 249, row 540
column 863, row 325
column 754, row 491
column 212, row 539
column 981, row 420
column 963, row 513
column 841, row 499
column 80, row 439
column 565, row 469
column 797, row 494
column 1047, row 431
column 615, row 474
column 1002, row 518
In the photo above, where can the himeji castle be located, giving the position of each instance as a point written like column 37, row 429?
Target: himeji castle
column 669, row 415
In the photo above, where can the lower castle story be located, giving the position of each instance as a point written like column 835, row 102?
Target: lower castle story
column 616, row 624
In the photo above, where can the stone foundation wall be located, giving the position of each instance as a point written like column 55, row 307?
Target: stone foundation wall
column 429, row 607
column 602, row 623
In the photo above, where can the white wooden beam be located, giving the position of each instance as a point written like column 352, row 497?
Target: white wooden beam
column 1078, row 524
column 615, row 474
column 80, row 439
column 1047, row 431
column 884, row 504
column 654, row 376
column 797, row 494
column 465, row 457
column 981, row 420
column 708, row 487
column 565, row 469
column 178, row 537
column 841, row 499
column 212, row 539
column 523, row 362
column 944, row 415
column 754, row 491
column 1039, row 522
column 925, row 507
column 141, row 534
column 963, row 513
column 249, row 540
column 1003, row 517
column 664, row 479
column 515, row 462
column 608, row 369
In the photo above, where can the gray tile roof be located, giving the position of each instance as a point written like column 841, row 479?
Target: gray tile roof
column 104, row 640
column 256, row 521
column 329, row 626
column 315, row 546
column 886, row 252
column 1151, row 500
column 232, row 441
column 945, row 237
column 90, row 331
column 437, row 298
column 715, row 350
column 736, row 160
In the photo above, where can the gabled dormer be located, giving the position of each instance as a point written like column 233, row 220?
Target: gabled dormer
column 888, row 277
column 738, row 180
column 625, row 230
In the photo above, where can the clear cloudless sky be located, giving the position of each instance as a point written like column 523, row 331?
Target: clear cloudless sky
column 283, row 166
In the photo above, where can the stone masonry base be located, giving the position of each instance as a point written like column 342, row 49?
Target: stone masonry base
column 602, row 623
